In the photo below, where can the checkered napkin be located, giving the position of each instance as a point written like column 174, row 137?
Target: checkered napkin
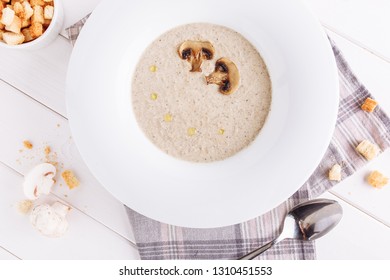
column 157, row 240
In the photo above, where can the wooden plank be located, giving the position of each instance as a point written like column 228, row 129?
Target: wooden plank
column 40, row 74
column 22, row 118
column 374, row 73
column 363, row 21
column 85, row 239
column 6, row 255
column 356, row 237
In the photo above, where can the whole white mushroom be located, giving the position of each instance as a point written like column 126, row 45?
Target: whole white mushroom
column 50, row 220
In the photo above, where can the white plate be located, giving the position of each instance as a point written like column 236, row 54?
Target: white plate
column 288, row 149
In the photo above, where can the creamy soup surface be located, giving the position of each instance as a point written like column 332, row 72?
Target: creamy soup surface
column 188, row 118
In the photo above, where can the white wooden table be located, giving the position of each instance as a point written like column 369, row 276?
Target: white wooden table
column 32, row 106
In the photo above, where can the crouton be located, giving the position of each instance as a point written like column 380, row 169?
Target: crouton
column 18, row 9
column 15, row 26
column 70, row 179
column 37, row 17
column 377, row 179
column 369, row 105
column 8, row 16
column 37, row 3
column 27, row 144
column 368, row 149
column 24, row 206
column 36, row 29
column 28, row 11
column 12, row 38
column 1, row 34
column 26, row 23
column 335, row 173
column 27, row 35
column 48, row 12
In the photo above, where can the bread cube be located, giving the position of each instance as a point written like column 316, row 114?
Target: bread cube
column 28, row 10
column 36, row 29
column 368, row 149
column 26, row 23
column 8, row 16
column 15, row 26
column 37, row 3
column 37, row 17
column 27, row 35
column 377, row 179
column 13, row 38
column 18, row 9
column 48, row 12
column 369, row 105
column 335, row 173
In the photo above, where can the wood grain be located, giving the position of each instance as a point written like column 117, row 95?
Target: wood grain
column 85, row 239
column 21, row 118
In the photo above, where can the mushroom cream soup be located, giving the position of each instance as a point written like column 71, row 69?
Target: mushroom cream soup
column 201, row 92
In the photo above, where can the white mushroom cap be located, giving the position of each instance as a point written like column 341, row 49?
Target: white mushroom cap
column 39, row 180
column 50, row 220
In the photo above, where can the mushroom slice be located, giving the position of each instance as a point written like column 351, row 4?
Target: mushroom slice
column 195, row 52
column 50, row 220
column 225, row 75
column 39, row 180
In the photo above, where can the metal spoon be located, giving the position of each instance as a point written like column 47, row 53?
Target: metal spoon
column 307, row 221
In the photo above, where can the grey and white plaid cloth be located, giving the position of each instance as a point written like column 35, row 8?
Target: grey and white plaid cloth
column 157, row 240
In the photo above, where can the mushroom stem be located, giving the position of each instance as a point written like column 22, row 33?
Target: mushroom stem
column 196, row 63
column 217, row 78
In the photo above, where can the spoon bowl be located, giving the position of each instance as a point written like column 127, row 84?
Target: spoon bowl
column 307, row 221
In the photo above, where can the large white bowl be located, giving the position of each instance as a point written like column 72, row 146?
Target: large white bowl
column 288, row 149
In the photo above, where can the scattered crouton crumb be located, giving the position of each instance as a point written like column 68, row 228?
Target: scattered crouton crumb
column 368, row 149
column 335, row 173
column 70, row 179
column 27, row 144
column 24, row 206
column 58, row 125
column 47, row 150
column 369, row 105
column 377, row 179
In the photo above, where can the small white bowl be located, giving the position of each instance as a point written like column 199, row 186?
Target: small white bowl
column 48, row 36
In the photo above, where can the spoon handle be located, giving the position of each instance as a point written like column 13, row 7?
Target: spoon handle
column 258, row 251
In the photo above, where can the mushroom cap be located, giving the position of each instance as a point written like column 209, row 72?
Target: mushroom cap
column 196, row 46
column 49, row 220
column 39, row 180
